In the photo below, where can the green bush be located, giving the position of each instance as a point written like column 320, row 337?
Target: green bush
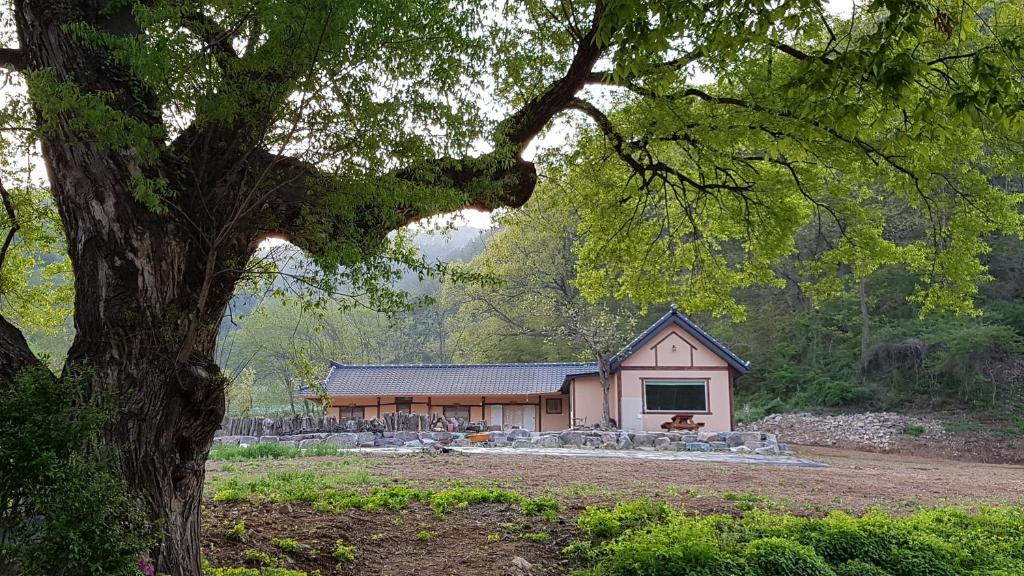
column 942, row 542
column 61, row 510
column 781, row 557
column 227, row 452
column 860, row 568
column 599, row 522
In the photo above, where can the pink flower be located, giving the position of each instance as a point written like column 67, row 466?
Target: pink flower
column 146, row 566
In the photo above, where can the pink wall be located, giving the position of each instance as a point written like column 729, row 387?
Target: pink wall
column 587, row 400
column 675, row 354
column 481, row 408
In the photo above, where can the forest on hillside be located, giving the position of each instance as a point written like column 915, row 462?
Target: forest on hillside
column 867, row 346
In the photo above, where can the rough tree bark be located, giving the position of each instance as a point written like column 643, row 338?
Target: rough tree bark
column 151, row 288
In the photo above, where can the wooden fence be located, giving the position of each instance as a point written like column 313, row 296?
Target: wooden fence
column 307, row 424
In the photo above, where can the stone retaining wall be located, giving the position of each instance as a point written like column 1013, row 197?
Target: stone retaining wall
column 744, row 441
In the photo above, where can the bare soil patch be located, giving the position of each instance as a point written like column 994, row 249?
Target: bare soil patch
column 388, row 542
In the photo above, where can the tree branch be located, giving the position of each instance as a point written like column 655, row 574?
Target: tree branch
column 604, row 77
column 302, row 206
column 15, row 354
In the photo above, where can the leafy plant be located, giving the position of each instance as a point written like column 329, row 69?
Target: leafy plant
column 942, row 541
column 288, row 545
column 424, row 535
column 343, row 553
column 237, row 532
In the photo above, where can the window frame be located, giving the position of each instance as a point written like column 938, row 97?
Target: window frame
column 401, row 401
column 351, row 407
column 469, row 411
column 705, row 382
column 547, row 405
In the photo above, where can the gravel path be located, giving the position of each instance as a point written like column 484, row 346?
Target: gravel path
column 719, row 457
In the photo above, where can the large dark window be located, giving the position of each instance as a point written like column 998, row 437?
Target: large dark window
column 676, row 395
column 403, row 404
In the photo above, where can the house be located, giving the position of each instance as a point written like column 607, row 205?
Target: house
column 673, row 367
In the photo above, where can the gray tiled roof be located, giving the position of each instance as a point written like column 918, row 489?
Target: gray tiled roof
column 450, row 379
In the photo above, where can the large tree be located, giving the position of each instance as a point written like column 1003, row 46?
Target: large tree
column 179, row 135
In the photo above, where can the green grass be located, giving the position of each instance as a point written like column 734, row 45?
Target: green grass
column 232, row 453
column 538, row 537
column 337, row 491
column 648, row 539
column 913, row 429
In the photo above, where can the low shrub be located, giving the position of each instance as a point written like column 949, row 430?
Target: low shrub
column 782, row 557
column 289, row 545
column 62, row 509
column 601, row 522
column 640, row 538
column 343, row 553
column 237, row 532
column 424, row 535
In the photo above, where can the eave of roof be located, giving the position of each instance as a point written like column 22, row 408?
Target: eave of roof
column 677, row 318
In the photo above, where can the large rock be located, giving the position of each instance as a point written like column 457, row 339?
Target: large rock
column 414, row 444
column 288, row 443
column 270, row 439
column 642, row 440
column 308, row 442
column 366, row 439
column 343, row 440
column 522, row 443
column 406, row 436
column 698, row 447
column 443, row 437
column 517, row 433
column 228, row 440
column 662, row 443
column 248, row 440
column 623, row 442
column 432, row 436
column 550, row 441
column 572, row 438
column 718, row 445
column 592, row 442
column 497, row 436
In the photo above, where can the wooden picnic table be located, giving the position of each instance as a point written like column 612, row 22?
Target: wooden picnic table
column 682, row 422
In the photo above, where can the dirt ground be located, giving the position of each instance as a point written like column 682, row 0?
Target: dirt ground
column 484, row 539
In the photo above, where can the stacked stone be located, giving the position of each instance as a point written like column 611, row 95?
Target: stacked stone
column 737, row 442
